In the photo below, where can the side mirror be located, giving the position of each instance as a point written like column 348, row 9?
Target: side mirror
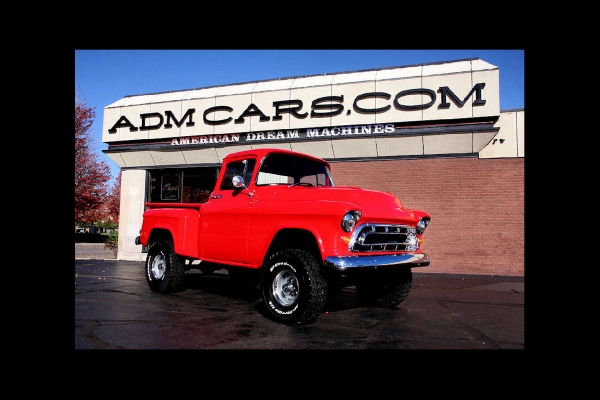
column 238, row 182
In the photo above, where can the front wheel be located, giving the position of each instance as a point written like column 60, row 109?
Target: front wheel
column 164, row 270
column 386, row 291
column 293, row 289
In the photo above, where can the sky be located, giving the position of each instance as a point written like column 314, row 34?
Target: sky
column 104, row 76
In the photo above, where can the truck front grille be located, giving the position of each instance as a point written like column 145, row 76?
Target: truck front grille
column 381, row 237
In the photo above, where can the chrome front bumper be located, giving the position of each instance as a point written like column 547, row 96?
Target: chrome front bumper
column 374, row 262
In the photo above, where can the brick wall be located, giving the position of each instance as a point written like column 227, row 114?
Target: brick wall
column 477, row 208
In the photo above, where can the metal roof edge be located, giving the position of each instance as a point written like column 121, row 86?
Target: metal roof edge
column 117, row 102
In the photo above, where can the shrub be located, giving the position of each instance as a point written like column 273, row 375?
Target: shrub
column 112, row 242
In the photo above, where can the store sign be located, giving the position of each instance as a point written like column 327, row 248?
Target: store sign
column 169, row 187
column 328, row 106
column 288, row 134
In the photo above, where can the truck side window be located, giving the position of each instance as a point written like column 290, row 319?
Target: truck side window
column 237, row 168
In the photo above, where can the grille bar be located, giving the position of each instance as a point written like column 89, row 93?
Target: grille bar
column 383, row 237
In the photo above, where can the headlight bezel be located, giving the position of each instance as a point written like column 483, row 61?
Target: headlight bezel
column 350, row 220
column 422, row 225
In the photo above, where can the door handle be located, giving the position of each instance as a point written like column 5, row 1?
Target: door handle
column 216, row 196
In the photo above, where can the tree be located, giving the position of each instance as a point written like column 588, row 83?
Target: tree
column 91, row 175
column 111, row 221
column 113, row 202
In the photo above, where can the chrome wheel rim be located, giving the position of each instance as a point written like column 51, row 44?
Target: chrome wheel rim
column 285, row 288
column 159, row 266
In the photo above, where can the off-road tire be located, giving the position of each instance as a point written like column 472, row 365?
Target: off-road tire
column 386, row 292
column 292, row 287
column 164, row 270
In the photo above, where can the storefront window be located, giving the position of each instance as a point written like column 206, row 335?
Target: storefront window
column 190, row 185
column 169, row 186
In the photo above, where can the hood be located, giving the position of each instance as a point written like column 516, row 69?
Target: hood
column 374, row 205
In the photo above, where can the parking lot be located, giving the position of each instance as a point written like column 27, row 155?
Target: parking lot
column 115, row 309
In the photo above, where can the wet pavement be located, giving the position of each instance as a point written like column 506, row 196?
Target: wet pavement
column 115, row 309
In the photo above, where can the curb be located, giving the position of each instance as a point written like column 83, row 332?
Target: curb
column 93, row 251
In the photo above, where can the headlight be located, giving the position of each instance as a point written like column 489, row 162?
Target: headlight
column 422, row 225
column 350, row 219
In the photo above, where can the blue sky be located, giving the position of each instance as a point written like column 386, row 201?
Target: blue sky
column 105, row 76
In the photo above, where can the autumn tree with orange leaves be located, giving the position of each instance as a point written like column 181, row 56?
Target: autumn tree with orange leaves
column 113, row 203
column 91, row 175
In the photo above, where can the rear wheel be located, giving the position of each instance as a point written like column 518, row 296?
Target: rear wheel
column 164, row 270
column 293, row 289
column 386, row 291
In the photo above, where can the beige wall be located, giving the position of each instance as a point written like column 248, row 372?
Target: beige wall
column 510, row 140
column 133, row 188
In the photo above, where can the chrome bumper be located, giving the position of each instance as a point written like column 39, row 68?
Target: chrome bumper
column 374, row 262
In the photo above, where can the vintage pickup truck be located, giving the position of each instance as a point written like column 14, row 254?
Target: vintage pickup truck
column 276, row 219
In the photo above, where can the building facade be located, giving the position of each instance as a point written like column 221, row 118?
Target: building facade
column 431, row 134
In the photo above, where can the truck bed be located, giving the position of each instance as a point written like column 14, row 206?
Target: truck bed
column 150, row 206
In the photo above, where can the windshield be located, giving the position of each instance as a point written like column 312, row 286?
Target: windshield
column 278, row 169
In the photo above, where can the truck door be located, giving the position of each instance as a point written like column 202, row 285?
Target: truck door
column 225, row 227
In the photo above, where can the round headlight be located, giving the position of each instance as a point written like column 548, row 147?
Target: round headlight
column 349, row 220
column 422, row 225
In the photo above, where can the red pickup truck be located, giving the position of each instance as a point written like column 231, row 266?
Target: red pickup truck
column 275, row 218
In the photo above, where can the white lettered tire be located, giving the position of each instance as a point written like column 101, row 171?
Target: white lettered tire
column 292, row 286
column 164, row 271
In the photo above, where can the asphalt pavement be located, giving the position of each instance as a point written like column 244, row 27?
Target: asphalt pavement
column 115, row 309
